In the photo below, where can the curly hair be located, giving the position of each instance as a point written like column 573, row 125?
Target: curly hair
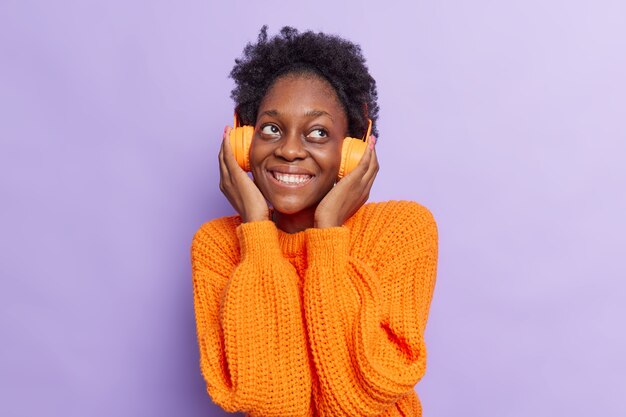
column 330, row 57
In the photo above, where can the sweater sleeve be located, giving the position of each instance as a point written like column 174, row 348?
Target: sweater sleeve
column 367, row 309
column 249, row 322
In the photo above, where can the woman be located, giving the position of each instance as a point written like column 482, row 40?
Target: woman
column 315, row 305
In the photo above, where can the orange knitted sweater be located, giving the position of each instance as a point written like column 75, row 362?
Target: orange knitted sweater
column 324, row 322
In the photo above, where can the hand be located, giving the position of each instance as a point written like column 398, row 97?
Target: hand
column 350, row 193
column 239, row 189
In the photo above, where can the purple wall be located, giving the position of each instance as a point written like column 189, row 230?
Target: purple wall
column 506, row 119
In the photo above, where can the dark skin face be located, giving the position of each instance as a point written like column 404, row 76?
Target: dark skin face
column 295, row 157
column 296, row 150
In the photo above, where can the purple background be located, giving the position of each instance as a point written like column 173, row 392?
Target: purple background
column 506, row 119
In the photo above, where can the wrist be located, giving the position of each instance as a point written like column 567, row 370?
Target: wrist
column 255, row 217
column 258, row 240
column 324, row 223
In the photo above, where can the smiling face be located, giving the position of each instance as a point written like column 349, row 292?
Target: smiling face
column 296, row 149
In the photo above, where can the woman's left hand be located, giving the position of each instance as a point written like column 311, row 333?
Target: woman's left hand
column 350, row 193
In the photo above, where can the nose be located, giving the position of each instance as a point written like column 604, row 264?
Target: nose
column 290, row 148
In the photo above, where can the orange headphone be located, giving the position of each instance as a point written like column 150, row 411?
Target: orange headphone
column 351, row 152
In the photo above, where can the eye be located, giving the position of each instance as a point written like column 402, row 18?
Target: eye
column 270, row 130
column 318, row 134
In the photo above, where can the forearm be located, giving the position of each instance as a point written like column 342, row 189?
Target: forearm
column 255, row 349
column 366, row 361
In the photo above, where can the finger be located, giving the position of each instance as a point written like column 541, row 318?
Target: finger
column 224, row 172
column 221, row 152
column 373, row 166
column 368, row 170
column 228, row 150
column 364, row 163
column 228, row 157
column 225, row 175
column 368, row 187
column 370, row 176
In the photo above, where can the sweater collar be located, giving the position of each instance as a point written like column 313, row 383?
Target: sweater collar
column 292, row 244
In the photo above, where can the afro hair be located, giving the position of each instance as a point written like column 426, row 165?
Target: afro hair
column 334, row 59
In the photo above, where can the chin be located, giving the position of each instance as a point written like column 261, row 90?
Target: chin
column 289, row 209
column 291, row 205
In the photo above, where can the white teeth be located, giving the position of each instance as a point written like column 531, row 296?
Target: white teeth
column 290, row 178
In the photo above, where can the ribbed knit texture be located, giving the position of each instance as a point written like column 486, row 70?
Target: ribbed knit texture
column 324, row 322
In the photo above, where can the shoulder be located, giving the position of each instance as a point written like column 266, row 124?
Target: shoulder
column 395, row 210
column 394, row 214
column 219, row 228
column 395, row 222
column 216, row 236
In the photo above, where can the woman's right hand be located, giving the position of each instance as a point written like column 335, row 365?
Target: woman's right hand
column 239, row 189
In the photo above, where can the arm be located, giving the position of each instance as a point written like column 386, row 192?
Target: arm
column 250, row 331
column 367, row 308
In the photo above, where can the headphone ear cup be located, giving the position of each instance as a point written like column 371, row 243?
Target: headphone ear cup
column 351, row 153
column 240, row 141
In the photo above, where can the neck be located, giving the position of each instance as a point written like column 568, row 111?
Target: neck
column 296, row 222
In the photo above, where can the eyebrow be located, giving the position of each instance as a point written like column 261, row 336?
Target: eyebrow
column 273, row 113
column 310, row 113
column 318, row 113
